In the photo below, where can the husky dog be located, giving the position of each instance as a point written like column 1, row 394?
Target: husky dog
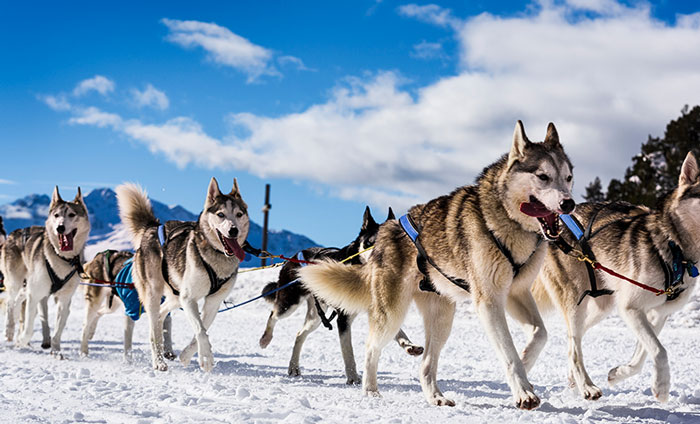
column 105, row 266
column 287, row 300
column 48, row 259
column 3, row 234
column 195, row 260
column 638, row 243
column 482, row 240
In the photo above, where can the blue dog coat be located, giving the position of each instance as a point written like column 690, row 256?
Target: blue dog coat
column 128, row 295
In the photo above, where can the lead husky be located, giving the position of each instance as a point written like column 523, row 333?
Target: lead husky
column 49, row 260
column 287, row 300
column 105, row 266
column 513, row 201
column 635, row 242
column 197, row 260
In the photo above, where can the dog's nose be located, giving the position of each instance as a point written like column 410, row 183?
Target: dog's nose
column 233, row 232
column 61, row 229
column 567, row 205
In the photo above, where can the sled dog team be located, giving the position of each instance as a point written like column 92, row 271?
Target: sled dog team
column 498, row 242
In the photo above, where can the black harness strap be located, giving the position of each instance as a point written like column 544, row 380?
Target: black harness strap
column 321, row 314
column 215, row 283
column 325, row 320
column 507, row 253
column 412, row 230
column 57, row 283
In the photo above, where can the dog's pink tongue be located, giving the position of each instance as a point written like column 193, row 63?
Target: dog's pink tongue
column 66, row 242
column 233, row 245
column 536, row 210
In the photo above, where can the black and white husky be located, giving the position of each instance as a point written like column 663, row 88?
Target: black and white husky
column 48, row 259
column 185, row 262
column 287, row 300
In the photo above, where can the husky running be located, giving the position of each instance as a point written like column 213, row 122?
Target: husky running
column 482, row 241
column 637, row 242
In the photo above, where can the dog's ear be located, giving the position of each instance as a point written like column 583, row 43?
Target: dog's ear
column 235, row 191
column 367, row 219
column 689, row 170
column 55, row 198
column 78, row 197
column 391, row 214
column 552, row 137
column 520, row 143
column 212, row 193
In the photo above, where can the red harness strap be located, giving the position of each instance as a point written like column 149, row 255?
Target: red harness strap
column 598, row 265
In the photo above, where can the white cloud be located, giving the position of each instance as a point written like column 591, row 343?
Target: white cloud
column 3, row 181
column 426, row 50
column 293, row 61
column 96, row 117
column 607, row 81
column 97, row 83
column 431, row 13
column 150, row 97
column 57, row 103
column 223, row 47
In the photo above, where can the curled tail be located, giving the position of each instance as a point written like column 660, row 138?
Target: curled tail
column 342, row 286
column 135, row 211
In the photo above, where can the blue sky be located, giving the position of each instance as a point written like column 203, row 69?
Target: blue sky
column 336, row 104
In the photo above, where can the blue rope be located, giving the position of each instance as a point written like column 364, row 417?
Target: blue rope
column 258, row 297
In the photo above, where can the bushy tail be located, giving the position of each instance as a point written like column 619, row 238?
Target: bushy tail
column 269, row 287
column 341, row 286
column 539, row 292
column 135, row 211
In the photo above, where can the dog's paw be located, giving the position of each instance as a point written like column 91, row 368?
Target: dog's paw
column 528, row 400
column 160, row 365
column 46, row 345
column 265, row 340
column 440, row 400
column 372, row 393
column 353, row 380
column 414, row 350
column 169, row 355
column 83, row 353
column 127, row 358
column 293, row 371
column 591, row 392
column 206, row 363
column 57, row 354
column 661, row 390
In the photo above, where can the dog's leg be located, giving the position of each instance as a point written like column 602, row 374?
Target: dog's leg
column 30, row 310
column 63, row 301
column 128, row 337
column 493, row 318
column 89, row 324
column 438, row 314
column 521, row 306
column 11, row 306
column 269, row 328
column 637, row 321
column 206, row 360
column 44, row 319
column 634, row 366
column 407, row 345
column 311, row 323
column 345, row 335
column 153, row 309
column 168, row 338
column 575, row 327
column 209, row 311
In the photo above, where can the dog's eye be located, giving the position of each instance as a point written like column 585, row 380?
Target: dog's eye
column 543, row 177
column 569, row 178
column 71, row 215
column 55, row 215
column 220, row 214
column 239, row 214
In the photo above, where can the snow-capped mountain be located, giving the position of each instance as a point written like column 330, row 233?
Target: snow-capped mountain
column 107, row 231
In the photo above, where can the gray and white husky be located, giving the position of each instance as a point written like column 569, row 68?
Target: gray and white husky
column 482, row 241
column 197, row 260
column 636, row 242
column 286, row 301
column 99, row 301
column 48, row 259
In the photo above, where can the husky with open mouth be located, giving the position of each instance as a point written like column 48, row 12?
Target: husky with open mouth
column 483, row 241
column 185, row 262
column 48, row 259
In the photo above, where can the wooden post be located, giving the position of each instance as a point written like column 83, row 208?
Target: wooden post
column 266, row 212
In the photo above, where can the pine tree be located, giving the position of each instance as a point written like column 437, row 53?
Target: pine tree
column 594, row 191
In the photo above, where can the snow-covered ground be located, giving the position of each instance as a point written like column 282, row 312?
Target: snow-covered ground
column 249, row 384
